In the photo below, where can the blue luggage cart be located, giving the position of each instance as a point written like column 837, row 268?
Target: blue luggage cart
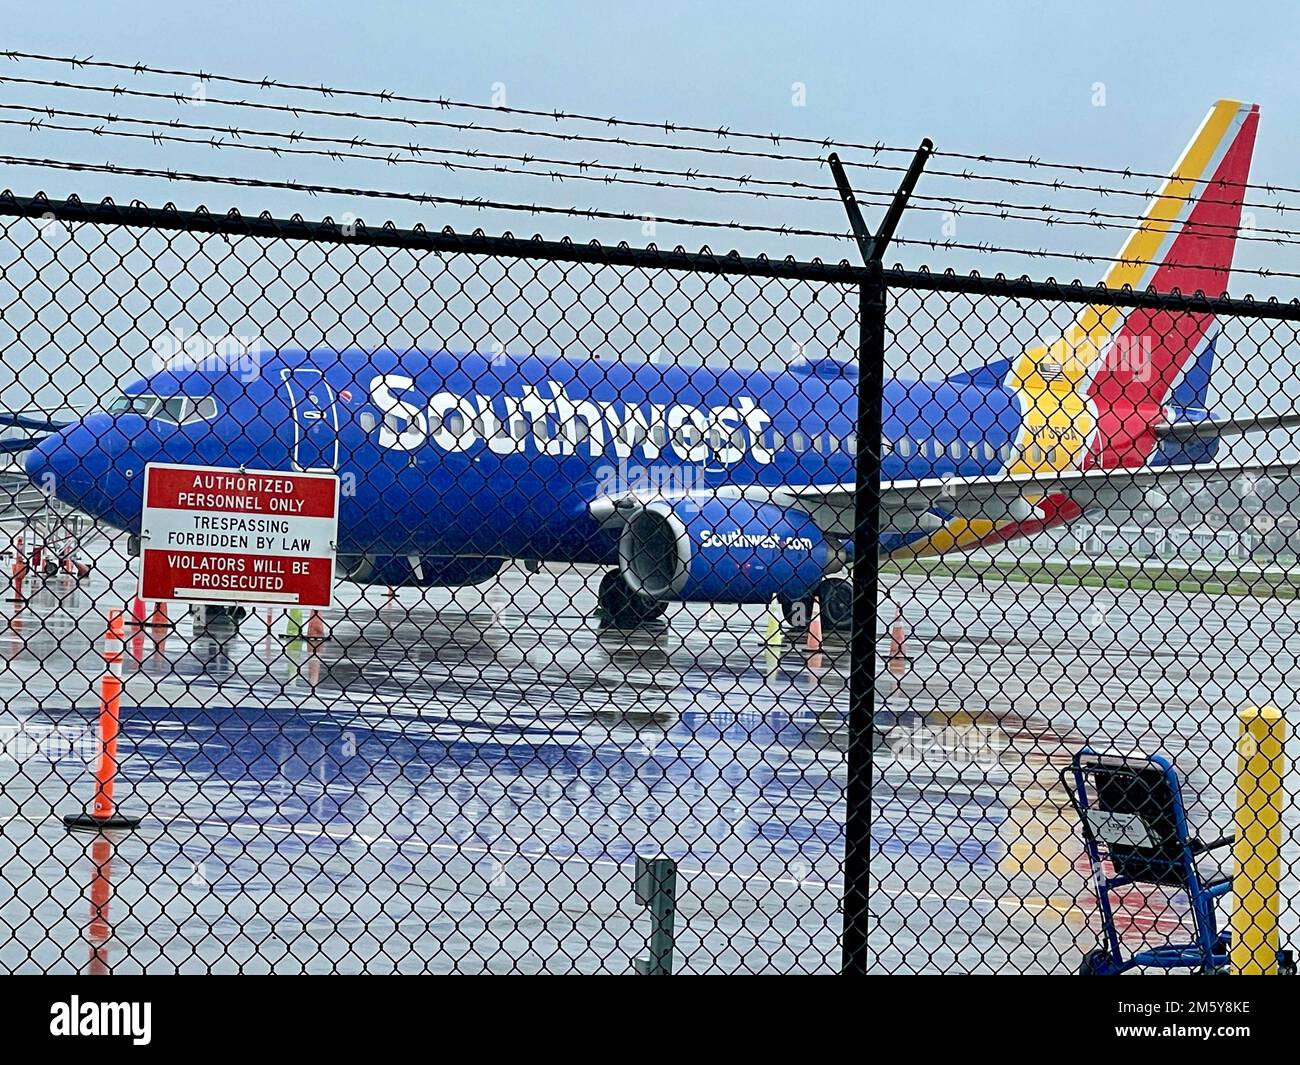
column 1132, row 812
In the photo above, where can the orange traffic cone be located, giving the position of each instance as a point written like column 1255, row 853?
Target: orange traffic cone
column 315, row 627
column 898, row 660
column 103, row 814
column 15, row 644
column 137, row 628
column 19, row 571
column 101, row 894
column 315, row 637
column 814, row 644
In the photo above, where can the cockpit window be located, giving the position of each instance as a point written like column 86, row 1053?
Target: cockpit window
column 173, row 410
column 141, row 405
column 202, row 410
column 179, row 410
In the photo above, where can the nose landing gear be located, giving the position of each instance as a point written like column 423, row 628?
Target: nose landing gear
column 221, row 620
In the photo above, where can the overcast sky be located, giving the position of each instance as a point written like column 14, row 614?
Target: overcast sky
column 1115, row 84
column 1105, row 84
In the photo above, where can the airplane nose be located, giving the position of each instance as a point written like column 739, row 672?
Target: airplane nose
column 49, row 464
column 81, row 466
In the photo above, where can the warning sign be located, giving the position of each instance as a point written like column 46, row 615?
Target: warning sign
column 257, row 537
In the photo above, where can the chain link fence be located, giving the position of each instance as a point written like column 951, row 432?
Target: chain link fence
column 641, row 654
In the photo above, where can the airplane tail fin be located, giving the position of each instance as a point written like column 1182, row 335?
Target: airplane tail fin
column 1189, row 229
column 1094, row 397
column 1148, row 354
column 1191, row 396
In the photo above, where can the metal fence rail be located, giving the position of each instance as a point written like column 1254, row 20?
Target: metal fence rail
column 509, row 745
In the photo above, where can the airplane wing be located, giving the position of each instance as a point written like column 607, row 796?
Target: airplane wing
column 19, row 445
column 911, row 504
column 1187, row 430
column 39, row 426
column 27, row 421
column 999, row 497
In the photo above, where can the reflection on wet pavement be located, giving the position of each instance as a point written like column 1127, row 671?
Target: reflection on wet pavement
column 460, row 782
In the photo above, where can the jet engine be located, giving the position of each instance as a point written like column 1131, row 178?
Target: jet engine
column 710, row 548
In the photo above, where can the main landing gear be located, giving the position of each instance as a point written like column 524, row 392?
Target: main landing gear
column 621, row 608
column 834, row 597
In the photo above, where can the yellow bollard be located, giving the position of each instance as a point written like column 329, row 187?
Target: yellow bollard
column 1257, row 852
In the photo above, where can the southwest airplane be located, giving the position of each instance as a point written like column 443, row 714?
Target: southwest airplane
column 700, row 483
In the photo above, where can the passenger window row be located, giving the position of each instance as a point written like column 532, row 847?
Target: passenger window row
column 957, row 450
column 798, row 441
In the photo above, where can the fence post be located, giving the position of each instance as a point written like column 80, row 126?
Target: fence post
column 656, row 889
column 872, row 293
column 862, row 668
column 1257, row 850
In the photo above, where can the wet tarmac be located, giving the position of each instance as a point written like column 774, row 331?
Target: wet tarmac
column 460, row 781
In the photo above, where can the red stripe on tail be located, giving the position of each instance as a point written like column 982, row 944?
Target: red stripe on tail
column 1136, row 372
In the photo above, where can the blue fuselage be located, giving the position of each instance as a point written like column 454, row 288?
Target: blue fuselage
column 465, row 454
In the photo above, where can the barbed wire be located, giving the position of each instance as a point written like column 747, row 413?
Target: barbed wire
column 406, row 120
column 864, row 164
column 1091, row 217
column 615, row 173
column 480, row 203
column 1121, row 172
column 1048, row 215
column 722, row 132
column 1082, row 257
column 611, row 121
column 667, row 127
column 749, row 185
column 390, row 159
column 416, row 149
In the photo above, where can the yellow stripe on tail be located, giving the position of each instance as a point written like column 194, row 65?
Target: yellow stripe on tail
column 1051, row 381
